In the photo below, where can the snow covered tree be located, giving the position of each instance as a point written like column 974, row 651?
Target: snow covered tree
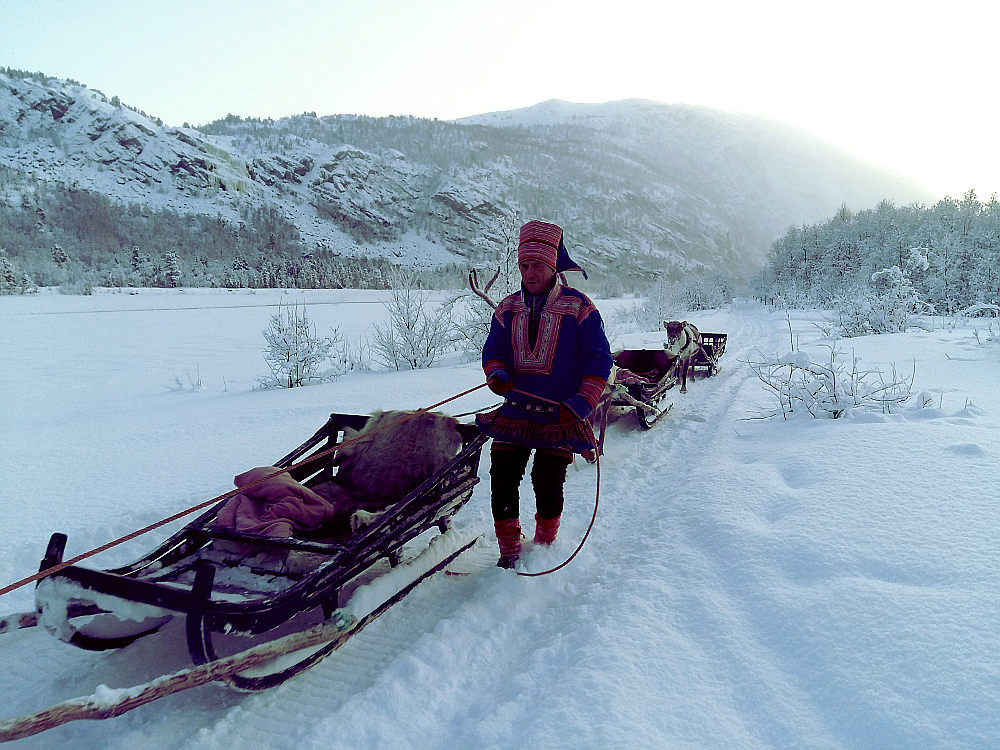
column 296, row 353
column 8, row 276
column 138, row 259
column 59, row 256
column 415, row 335
column 172, row 268
column 959, row 242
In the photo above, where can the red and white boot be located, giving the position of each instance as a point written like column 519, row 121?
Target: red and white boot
column 546, row 529
column 509, row 539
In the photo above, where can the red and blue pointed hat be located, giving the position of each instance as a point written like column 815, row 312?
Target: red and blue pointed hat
column 542, row 241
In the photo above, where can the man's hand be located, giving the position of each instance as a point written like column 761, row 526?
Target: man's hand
column 499, row 382
column 567, row 415
column 574, row 409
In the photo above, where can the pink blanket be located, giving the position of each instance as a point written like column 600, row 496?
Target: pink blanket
column 279, row 506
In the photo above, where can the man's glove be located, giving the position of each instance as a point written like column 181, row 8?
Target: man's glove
column 499, row 382
column 566, row 415
column 574, row 409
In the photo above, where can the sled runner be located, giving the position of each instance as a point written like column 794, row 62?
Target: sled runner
column 237, row 590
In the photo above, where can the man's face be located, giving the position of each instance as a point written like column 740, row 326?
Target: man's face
column 536, row 275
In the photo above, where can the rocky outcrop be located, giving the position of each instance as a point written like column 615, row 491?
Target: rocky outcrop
column 55, row 105
column 275, row 169
column 193, row 171
column 371, row 196
column 472, row 219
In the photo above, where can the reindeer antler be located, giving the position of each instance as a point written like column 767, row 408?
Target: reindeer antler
column 474, row 286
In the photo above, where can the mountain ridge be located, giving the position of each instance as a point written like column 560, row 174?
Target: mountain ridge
column 642, row 188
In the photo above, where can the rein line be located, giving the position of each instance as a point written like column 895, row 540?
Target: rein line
column 315, row 457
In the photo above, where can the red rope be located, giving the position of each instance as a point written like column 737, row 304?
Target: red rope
column 121, row 540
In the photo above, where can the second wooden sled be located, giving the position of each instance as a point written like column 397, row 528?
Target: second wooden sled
column 657, row 373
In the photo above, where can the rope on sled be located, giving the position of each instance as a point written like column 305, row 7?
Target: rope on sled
column 478, row 411
column 128, row 537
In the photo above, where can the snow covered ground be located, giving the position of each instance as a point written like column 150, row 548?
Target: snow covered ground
column 749, row 583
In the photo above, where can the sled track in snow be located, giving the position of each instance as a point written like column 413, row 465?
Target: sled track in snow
column 696, row 419
column 626, row 564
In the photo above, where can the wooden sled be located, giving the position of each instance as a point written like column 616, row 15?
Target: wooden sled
column 267, row 589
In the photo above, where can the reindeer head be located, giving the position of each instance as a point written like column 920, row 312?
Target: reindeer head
column 675, row 336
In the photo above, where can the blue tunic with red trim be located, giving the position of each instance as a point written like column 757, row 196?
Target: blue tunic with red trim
column 568, row 365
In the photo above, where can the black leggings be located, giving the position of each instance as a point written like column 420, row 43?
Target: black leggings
column 548, row 474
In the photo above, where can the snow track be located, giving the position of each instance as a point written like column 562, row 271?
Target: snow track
column 752, row 584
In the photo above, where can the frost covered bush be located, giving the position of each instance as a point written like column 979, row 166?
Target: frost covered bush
column 416, row 334
column 356, row 356
column 986, row 316
column 989, row 336
column 885, row 305
column 194, row 383
column 661, row 302
column 828, row 390
column 705, row 291
column 296, row 353
column 648, row 315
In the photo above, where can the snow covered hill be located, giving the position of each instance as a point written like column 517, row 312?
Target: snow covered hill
column 749, row 583
column 640, row 186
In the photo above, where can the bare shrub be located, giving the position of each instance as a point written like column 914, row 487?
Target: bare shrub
column 417, row 334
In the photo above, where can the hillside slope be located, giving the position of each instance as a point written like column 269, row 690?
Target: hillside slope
column 641, row 187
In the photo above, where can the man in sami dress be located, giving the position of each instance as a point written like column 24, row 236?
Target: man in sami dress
column 548, row 356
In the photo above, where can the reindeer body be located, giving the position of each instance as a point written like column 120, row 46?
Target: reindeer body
column 684, row 342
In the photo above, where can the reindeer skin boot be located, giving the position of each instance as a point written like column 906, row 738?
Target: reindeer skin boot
column 546, row 529
column 509, row 539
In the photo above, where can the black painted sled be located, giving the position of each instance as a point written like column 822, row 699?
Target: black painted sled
column 235, row 590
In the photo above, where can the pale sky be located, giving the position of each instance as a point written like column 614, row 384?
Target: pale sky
column 909, row 85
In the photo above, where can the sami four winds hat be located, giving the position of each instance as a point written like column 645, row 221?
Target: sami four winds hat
column 544, row 242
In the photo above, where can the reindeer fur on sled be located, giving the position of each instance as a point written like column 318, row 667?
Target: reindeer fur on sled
column 386, row 464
